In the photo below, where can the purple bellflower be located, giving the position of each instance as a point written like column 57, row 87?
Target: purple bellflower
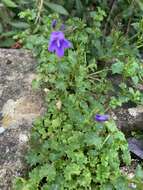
column 54, row 23
column 58, row 43
column 62, row 28
column 101, row 118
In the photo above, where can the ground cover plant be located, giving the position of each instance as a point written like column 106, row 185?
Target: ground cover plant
column 76, row 145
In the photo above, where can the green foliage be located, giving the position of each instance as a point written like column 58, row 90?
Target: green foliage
column 69, row 150
column 121, row 14
column 125, row 15
column 117, row 67
column 9, row 14
column 57, row 8
column 10, row 23
column 9, row 3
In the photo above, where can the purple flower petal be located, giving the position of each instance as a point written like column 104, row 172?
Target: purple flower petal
column 54, row 23
column 60, row 51
column 57, row 35
column 62, row 28
column 67, row 44
column 101, row 118
column 52, row 46
column 58, row 43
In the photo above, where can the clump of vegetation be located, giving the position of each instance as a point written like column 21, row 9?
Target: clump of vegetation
column 71, row 146
column 10, row 23
column 88, row 65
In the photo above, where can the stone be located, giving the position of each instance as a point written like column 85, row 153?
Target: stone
column 129, row 119
column 20, row 105
column 136, row 146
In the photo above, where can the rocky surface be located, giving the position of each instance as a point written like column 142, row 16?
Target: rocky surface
column 19, row 106
column 130, row 120
column 136, row 146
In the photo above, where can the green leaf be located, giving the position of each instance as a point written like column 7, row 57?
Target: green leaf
column 57, row 8
column 56, row 123
column 111, row 126
column 51, row 187
column 7, row 43
column 9, row 3
column 139, row 172
column 85, row 178
column 107, row 186
column 60, row 85
column 79, row 6
column 9, row 34
column 79, row 158
column 121, row 184
column 71, row 169
column 135, row 80
column 35, row 84
column 20, row 183
column 117, row 67
column 1, row 28
column 32, row 158
column 47, row 171
column 92, row 139
column 140, row 4
column 126, row 154
column 21, row 25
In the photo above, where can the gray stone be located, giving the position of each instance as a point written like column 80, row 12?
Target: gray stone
column 19, row 106
column 130, row 119
column 136, row 147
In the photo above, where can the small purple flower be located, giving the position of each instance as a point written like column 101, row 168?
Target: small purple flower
column 54, row 23
column 58, row 43
column 62, row 28
column 101, row 118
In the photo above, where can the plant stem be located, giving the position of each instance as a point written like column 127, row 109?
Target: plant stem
column 109, row 16
column 39, row 10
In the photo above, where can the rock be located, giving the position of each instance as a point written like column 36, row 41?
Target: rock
column 19, row 106
column 130, row 119
column 136, row 147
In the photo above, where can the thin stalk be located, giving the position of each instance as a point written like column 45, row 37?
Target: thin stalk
column 97, row 72
column 106, row 139
column 39, row 10
column 130, row 19
column 109, row 16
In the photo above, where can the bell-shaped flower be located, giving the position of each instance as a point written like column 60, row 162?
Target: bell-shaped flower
column 101, row 118
column 54, row 23
column 58, row 43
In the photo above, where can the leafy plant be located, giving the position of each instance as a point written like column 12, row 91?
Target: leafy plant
column 124, row 15
column 69, row 149
column 10, row 23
